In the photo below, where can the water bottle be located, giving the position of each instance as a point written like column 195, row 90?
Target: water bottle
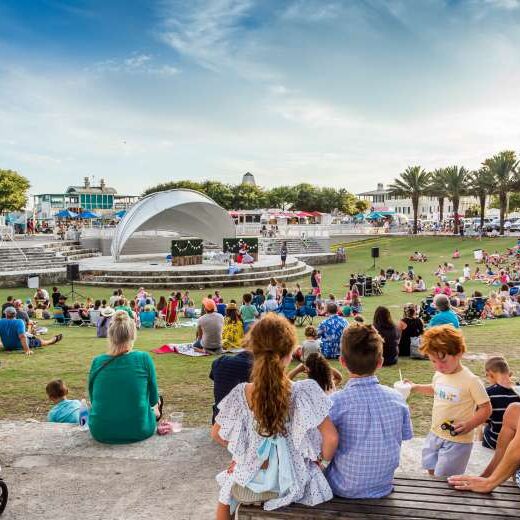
column 83, row 415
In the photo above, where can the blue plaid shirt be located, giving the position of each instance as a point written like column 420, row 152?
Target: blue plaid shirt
column 330, row 331
column 372, row 420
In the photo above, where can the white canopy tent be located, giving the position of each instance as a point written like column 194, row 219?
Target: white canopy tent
column 187, row 212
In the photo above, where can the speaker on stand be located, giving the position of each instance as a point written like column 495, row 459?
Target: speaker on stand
column 73, row 276
column 374, row 254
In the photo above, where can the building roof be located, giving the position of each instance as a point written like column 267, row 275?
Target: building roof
column 98, row 190
column 373, row 192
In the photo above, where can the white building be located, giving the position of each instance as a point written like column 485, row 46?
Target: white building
column 249, row 178
column 381, row 199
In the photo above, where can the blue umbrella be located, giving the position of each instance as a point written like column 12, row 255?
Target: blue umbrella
column 120, row 214
column 374, row 216
column 65, row 213
column 87, row 214
column 359, row 216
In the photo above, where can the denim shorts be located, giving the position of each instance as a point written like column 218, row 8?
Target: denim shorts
column 445, row 458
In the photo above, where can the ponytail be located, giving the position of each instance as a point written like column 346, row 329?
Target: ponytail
column 271, row 340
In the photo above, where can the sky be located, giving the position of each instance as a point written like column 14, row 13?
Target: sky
column 335, row 93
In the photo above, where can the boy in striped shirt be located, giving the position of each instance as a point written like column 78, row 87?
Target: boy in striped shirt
column 501, row 394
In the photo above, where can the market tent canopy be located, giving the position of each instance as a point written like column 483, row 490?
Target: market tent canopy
column 87, row 214
column 187, row 212
column 374, row 216
column 65, row 213
column 359, row 216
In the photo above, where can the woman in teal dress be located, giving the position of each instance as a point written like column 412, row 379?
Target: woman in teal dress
column 123, row 388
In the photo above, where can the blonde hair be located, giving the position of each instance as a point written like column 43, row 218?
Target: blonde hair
column 121, row 333
column 271, row 340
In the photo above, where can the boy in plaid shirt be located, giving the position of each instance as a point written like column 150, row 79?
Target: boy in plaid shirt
column 372, row 420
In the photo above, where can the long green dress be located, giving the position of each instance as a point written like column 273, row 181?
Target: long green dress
column 122, row 396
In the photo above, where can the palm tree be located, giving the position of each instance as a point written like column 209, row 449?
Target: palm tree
column 413, row 183
column 481, row 185
column 438, row 189
column 504, row 170
column 456, row 187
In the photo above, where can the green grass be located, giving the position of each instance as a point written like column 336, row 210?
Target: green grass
column 184, row 381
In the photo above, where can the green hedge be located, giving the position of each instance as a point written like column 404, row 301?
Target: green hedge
column 233, row 245
column 187, row 247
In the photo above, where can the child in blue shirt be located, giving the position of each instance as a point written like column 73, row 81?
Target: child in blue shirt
column 372, row 420
column 64, row 410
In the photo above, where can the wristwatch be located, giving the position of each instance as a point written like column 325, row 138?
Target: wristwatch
column 323, row 462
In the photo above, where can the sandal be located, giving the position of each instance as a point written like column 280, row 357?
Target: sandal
column 160, row 405
column 57, row 338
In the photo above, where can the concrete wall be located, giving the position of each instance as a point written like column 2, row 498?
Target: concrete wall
column 20, row 280
column 135, row 246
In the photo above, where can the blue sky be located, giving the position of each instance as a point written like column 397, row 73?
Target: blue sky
column 343, row 93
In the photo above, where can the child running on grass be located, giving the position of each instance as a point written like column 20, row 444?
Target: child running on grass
column 460, row 403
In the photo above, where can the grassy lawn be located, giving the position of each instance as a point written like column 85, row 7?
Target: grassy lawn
column 184, row 381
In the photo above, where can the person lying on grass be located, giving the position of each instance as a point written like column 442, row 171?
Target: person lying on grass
column 14, row 336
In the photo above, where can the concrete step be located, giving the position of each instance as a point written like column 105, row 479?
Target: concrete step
column 184, row 277
column 224, row 282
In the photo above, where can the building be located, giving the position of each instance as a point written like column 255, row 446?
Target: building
column 101, row 199
column 381, row 199
column 249, row 179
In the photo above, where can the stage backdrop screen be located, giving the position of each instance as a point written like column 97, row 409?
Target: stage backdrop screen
column 188, row 247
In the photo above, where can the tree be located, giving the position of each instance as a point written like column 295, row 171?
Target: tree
column 306, row 197
column 13, row 191
column 246, row 196
column 456, row 187
column 438, row 189
column 174, row 185
column 221, row 193
column 413, row 183
column 361, row 206
column 480, row 186
column 503, row 168
column 282, row 197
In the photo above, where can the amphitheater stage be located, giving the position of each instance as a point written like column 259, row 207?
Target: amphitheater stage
column 155, row 271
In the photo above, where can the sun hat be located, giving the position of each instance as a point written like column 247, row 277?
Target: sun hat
column 232, row 306
column 107, row 312
column 209, row 305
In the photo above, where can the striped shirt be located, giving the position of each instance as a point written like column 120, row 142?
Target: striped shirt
column 501, row 397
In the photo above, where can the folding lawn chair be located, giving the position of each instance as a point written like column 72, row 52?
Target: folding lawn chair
column 308, row 312
column 288, row 308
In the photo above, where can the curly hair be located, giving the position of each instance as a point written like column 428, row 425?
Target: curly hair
column 271, row 339
column 319, row 370
column 443, row 340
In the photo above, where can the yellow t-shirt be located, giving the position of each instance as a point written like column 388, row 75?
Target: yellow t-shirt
column 456, row 397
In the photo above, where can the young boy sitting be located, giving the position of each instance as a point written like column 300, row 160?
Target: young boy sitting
column 65, row 410
column 460, row 403
column 501, row 394
column 372, row 420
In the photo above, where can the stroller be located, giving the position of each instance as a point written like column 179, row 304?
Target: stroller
column 427, row 310
column 473, row 314
column 3, row 495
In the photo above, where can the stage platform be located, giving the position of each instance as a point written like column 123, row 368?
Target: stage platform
column 154, row 271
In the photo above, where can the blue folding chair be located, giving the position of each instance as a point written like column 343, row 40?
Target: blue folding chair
column 288, row 308
column 308, row 312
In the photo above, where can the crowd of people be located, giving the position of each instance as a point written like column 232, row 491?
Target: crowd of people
column 292, row 439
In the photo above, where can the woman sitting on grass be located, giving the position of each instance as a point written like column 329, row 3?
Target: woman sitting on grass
column 233, row 330
column 123, row 388
column 270, row 426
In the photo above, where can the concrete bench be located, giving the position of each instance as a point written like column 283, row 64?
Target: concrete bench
column 412, row 498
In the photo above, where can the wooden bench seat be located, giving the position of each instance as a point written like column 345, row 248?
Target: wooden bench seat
column 412, row 498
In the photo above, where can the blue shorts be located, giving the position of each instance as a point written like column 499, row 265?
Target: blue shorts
column 445, row 458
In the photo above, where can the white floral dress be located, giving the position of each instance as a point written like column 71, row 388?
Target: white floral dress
column 309, row 407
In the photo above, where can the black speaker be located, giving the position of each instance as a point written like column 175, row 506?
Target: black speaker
column 375, row 252
column 72, row 272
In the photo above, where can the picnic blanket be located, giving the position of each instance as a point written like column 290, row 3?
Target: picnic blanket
column 185, row 349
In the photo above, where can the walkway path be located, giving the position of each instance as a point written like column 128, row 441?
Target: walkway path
column 58, row 472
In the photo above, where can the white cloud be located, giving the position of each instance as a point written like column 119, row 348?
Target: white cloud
column 503, row 4
column 204, row 30
column 135, row 64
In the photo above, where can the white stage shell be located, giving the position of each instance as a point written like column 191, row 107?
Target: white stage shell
column 187, row 212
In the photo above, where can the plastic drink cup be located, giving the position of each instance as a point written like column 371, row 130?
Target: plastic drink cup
column 403, row 388
column 176, row 419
